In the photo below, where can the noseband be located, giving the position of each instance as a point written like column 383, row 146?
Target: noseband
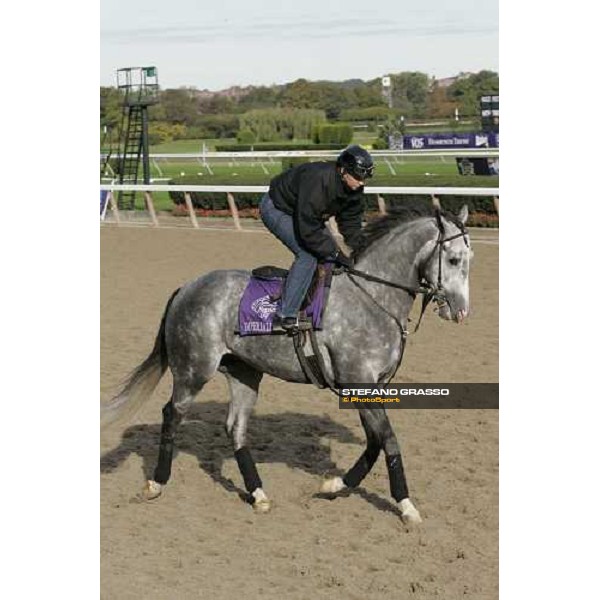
column 437, row 292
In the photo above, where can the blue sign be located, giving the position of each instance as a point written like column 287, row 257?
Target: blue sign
column 440, row 141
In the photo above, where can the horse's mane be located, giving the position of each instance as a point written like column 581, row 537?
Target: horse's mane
column 395, row 217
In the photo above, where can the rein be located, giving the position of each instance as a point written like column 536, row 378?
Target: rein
column 413, row 291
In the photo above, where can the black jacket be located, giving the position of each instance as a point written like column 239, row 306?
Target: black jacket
column 312, row 193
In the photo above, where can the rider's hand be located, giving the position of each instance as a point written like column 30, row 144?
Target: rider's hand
column 342, row 260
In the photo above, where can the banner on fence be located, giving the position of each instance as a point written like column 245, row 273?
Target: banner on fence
column 439, row 141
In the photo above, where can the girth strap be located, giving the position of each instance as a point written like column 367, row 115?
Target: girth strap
column 313, row 365
column 320, row 362
column 310, row 369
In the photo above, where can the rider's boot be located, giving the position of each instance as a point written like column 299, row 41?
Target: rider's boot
column 291, row 324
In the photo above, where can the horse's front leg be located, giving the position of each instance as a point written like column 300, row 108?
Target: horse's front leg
column 393, row 459
column 361, row 467
column 380, row 434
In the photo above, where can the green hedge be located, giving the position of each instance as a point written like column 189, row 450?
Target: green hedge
column 479, row 204
column 246, row 136
column 332, row 134
column 481, row 209
column 482, row 204
column 212, row 200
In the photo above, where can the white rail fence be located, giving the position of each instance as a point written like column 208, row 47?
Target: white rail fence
column 432, row 192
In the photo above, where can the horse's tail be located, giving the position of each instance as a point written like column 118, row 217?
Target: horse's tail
column 141, row 382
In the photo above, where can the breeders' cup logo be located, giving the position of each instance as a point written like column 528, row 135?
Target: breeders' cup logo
column 417, row 143
column 263, row 307
column 481, row 140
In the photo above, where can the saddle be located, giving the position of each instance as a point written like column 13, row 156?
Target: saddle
column 262, row 298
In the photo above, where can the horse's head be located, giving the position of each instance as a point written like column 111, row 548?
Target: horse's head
column 446, row 267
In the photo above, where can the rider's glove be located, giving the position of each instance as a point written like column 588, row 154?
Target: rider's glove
column 342, row 260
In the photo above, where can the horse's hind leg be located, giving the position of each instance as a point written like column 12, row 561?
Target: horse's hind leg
column 243, row 383
column 173, row 413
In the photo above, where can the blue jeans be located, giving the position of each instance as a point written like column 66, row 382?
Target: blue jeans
column 303, row 268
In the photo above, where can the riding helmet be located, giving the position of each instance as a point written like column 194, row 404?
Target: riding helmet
column 357, row 162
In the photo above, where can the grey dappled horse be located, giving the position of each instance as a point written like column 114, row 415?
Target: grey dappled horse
column 362, row 340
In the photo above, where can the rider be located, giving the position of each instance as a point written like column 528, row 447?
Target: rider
column 295, row 210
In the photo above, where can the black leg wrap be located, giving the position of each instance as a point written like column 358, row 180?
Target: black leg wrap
column 398, row 487
column 362, row 467
column 162, row 472
column 248, row 469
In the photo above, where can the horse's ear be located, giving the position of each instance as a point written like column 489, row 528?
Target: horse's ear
column 463, row 215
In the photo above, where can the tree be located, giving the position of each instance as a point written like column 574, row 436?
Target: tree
column 272, row 124
column 159, row 132
column 334, row 98
column 180, row 106
column 302, row 103
column 215, row 126
column 259, row 97
column 111, row 107
column 216, row 105
column 368, row 95
column 301, row 94
column 467, row 89
column 439, row 106
column 409, row 93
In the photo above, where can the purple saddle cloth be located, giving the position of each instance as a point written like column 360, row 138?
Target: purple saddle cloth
column 262, row 299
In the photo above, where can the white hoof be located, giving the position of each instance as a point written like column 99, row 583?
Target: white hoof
column 261, row 503
column 151, row 490
column 332, row 486
column 409, row 513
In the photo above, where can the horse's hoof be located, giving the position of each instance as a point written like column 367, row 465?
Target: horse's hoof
column 262, row 506
column 332, row 486
column 151, row 490
column 410, row 515
column 261, row 503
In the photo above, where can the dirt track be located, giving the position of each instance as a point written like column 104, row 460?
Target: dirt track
column 200, row 541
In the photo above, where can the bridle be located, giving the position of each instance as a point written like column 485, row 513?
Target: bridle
column 437, row 292
column 429, row 290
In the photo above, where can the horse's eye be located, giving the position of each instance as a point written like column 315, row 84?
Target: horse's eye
column 454, row 262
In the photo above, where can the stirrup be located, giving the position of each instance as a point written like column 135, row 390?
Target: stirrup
column 291, row 324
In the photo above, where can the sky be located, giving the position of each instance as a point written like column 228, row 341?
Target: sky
column 214, row 45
